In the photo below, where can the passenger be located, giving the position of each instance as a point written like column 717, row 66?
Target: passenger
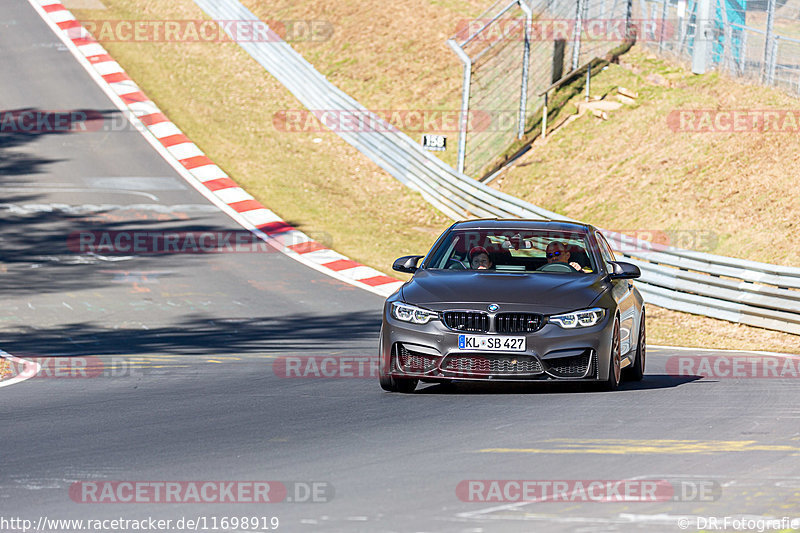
column 479, row 258
column 556, row 252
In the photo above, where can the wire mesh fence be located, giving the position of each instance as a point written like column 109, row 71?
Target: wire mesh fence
column 517, row 49
column 754, row 39
column 513, row 52
column 496, row 52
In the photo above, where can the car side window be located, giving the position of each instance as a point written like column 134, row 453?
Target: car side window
column 605, row 251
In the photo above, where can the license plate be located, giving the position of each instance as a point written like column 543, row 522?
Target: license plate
column 491, row 344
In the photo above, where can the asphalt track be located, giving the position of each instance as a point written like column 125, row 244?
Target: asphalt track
column 188, row 391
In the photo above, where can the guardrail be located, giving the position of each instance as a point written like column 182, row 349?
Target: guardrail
column 746, row 292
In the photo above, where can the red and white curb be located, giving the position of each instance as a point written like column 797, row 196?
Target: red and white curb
column 194, row 166
column 31, row 369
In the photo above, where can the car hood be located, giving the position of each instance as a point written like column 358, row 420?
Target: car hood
column 549, row 292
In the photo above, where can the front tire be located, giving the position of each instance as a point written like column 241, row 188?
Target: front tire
column 391, row 384
column 636, row 372
column 614, row 362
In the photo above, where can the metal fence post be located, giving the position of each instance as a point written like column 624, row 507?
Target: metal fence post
column 770, row 45
column 526, row 54
column 464, row 122
column 727, row 36
column 702, row 37
column 628, row 19
column 576, row 41
column 743, row 53
column 798, row 84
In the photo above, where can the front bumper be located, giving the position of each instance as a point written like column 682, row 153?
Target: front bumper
column 431, row 352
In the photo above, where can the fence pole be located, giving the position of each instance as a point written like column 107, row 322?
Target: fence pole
column 727, row 37
column 628, row 19
column 526, row 54
column 464, row 122
column 743, row 54
column 702, row 37
column 798, row 84
column 770, row 45
column 690, row 8
column 661, row 29
column 576, row 41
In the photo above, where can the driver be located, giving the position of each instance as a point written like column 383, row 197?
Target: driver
column 479, row 258
column 556, row 252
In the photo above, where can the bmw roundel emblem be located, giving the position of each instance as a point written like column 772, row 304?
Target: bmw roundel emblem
column 493, row 307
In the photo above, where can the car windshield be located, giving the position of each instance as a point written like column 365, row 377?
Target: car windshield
column 508, row 250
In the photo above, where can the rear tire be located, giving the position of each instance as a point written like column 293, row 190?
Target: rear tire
column 614, row 362
column 391, row 384
column 636, row 372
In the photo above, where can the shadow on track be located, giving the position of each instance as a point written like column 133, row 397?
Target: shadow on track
column 19, row 127
column 204, row 336
column 650, row 382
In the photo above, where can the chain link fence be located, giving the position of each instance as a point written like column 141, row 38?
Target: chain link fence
column 516, row 50
column 754, row 39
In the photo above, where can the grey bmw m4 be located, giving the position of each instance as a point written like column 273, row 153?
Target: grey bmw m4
column 514, row 300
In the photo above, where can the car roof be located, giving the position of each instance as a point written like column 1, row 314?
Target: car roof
column 523, row 224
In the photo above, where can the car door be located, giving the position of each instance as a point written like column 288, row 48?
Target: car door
column 622, row 291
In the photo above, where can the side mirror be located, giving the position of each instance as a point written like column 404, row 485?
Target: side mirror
column 624, row 270
column 407, row 263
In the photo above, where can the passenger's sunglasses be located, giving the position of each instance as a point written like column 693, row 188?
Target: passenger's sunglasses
column 552, row 255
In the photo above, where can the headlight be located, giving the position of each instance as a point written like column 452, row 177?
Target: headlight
column 410, row 313
column 579, row 319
